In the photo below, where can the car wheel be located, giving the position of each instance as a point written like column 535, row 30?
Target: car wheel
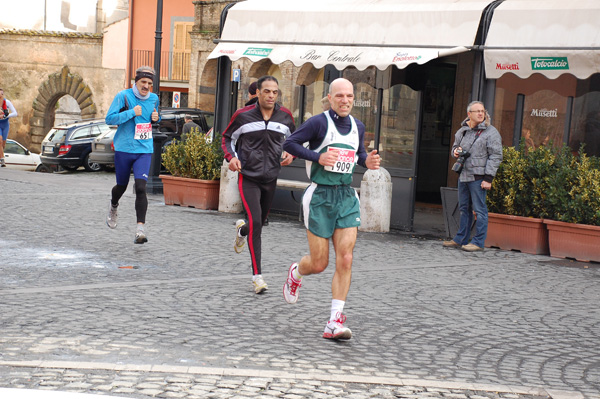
column 90, row 166
column 43, row 168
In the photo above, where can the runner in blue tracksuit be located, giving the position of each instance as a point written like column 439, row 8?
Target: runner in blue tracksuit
column 331, row 206
column 133, row 110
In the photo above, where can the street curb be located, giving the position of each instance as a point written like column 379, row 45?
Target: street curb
column 234, row 372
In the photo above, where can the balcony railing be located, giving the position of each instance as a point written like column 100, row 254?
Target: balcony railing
column 174, row 65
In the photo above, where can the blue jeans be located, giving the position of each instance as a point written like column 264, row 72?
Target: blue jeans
column 471, row 198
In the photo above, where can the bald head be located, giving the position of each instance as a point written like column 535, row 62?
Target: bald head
column 341, row 96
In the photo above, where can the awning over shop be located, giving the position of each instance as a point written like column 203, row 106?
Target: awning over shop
column 359, row 33
column 550, row 37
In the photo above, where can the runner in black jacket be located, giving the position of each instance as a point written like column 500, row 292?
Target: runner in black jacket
column 253, row 146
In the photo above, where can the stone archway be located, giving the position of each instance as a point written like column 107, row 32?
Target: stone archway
column 57, row 85
column 307, row 75
column 260, row 68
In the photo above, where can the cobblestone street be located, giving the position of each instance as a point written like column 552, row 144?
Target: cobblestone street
column 83, row 309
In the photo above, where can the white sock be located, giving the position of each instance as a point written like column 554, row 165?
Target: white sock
column 296, row 274
column 256, row 277
column 337, row 307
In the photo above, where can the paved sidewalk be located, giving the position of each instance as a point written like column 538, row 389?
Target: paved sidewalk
column 83, row 309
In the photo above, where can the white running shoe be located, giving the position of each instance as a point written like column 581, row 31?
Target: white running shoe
column 111, row 218
column 140, row 236
column 259, row 285
column 291, row 286
column 336, row 330
column 240, row 240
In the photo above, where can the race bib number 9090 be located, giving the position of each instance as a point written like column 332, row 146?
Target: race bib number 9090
column 143, row 131
column 345, row 162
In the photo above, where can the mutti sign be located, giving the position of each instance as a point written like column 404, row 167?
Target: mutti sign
column 549, row 63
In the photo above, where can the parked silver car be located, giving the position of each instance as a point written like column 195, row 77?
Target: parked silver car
column 103, row 150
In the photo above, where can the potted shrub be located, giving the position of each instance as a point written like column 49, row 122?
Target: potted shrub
column 574, row 210
column 549, row 187
column 513, row 222
column 195, row 169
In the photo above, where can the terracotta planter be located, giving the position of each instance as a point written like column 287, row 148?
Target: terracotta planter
column 527, row 235
column 195, row 193
column 572, row 240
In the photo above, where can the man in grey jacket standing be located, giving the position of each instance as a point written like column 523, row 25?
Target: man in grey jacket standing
column 478, row 150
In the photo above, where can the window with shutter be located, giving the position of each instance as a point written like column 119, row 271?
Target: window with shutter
column 182, row 46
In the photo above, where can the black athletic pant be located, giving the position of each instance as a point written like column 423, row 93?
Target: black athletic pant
column 256, row 198
column 141, row 199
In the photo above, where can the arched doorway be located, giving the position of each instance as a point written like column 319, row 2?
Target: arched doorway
column 50, row 92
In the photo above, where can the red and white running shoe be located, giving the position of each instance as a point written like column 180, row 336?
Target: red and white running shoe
column 291, row 286
column 336, row 330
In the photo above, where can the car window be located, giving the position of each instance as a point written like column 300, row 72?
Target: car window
column 56, row 135
column 210, row 120
column 82, row 133
column 105, row 128
column 108, row 134
column 95, row 131
column 14, row 148
column 168, row 123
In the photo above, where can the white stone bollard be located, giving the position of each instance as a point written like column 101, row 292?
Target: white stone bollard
column 375, row 201
column 229, row 194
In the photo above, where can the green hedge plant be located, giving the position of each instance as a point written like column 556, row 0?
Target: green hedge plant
column 547, row 182
column 197, row 157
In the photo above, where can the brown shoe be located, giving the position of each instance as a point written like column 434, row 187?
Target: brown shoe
column 471, row 248
column 451, row 244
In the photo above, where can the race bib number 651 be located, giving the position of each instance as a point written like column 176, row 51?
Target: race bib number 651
column 143, row 131
column 345, row 162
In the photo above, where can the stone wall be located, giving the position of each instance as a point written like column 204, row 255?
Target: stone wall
column 203, row 73
column 39, row 67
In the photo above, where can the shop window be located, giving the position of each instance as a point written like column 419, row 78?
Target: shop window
column 503, row 115
column 544, row 114
column 365, row 110
column 398, row 127
column 585, row 123
column 313, row 96
column 544, row 108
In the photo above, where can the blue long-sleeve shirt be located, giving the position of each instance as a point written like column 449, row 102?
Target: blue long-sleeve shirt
column 126, row 120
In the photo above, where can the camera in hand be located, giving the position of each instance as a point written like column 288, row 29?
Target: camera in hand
column 460, row 162
column 6, row 112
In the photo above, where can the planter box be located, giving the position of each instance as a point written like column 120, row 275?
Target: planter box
column 527, row 235
column 195, row 193
column 572, row 240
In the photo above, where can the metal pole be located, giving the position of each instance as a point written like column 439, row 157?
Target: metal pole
column 378, row 119
column 157, row 44
column 223, row 111
column 154, row 184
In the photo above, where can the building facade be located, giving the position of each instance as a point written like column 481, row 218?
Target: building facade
column 415, row 67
